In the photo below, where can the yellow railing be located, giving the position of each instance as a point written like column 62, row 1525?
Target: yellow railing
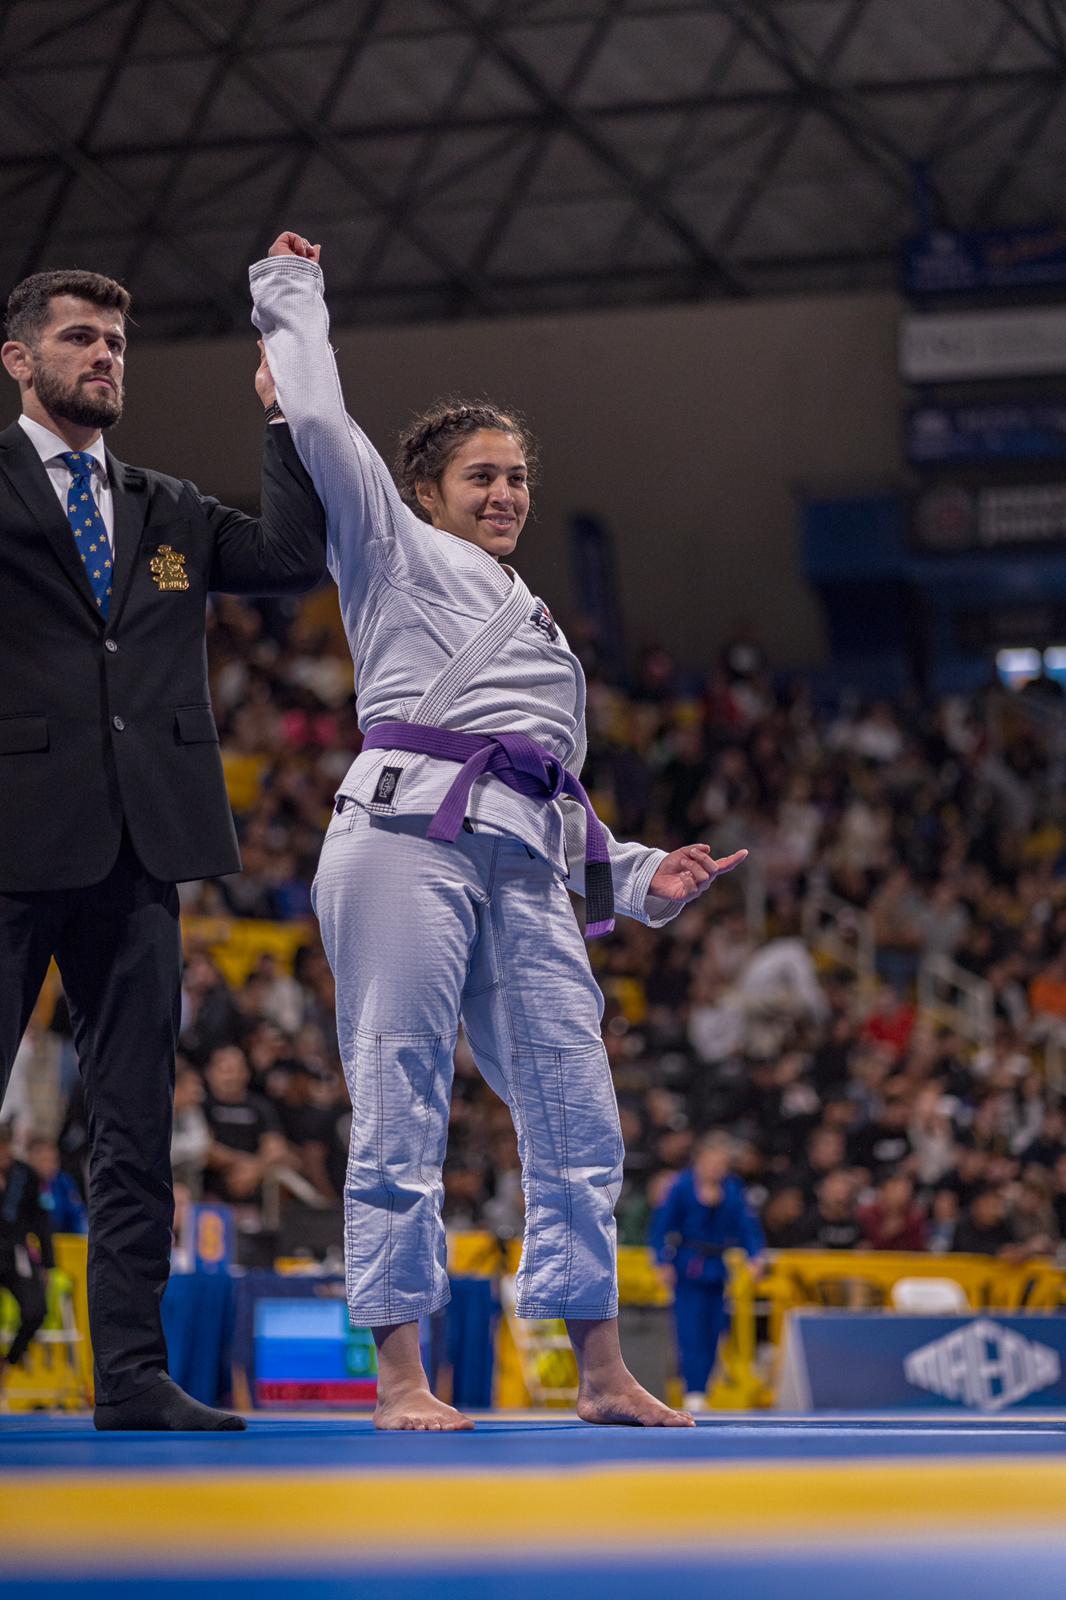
column 856, row 1280
column 57, row 1372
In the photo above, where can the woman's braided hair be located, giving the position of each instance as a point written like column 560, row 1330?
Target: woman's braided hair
column 433, row 437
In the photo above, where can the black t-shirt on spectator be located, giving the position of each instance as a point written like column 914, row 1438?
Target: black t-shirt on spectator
column 879, row 1149
column 305, row 1124
column 1045, row 1152
column 830, row 1233
column 973, row 1240
column 241, row 1125
column 965, row 1188
column 787, row 1236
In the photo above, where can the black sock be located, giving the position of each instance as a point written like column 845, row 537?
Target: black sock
column 165, row 1408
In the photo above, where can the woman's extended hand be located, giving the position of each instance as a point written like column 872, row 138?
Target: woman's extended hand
column 294, row 244
column 687, row 872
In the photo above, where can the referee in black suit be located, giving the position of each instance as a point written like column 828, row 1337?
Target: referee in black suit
column 111, row 785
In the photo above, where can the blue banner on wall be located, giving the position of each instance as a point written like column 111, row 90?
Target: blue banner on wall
column 938, row 434
column 941, row 262
column 861, row 1361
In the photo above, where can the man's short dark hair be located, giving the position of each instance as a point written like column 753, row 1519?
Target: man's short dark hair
column 29, row 303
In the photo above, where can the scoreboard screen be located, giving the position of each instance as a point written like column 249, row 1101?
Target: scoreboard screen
column 308, row 1353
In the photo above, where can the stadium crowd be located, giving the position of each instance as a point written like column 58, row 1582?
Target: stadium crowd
column 856, row 1121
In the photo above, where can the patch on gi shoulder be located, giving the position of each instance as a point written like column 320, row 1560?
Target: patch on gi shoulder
column 543, row 619
column 388, row 783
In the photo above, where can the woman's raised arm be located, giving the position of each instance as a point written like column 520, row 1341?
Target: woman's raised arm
column 361, row 501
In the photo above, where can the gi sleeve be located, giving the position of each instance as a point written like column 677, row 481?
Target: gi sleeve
column 364, row 510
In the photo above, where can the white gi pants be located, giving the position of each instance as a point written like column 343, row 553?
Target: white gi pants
column 419, row 934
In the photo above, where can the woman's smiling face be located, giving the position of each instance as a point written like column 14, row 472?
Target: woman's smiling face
column 483, row 492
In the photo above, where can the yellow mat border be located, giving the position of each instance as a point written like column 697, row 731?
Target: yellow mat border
column 210, row 1519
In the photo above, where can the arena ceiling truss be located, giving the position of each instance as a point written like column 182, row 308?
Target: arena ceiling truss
column 467, row 158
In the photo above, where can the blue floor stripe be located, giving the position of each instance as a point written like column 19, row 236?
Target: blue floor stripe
column 324, row 1444
column 1030, row 1570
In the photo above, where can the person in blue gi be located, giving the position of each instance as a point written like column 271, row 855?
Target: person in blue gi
column 441, row 890
column 704, row 1213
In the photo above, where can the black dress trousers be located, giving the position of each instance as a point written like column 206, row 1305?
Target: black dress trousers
column 118, row 947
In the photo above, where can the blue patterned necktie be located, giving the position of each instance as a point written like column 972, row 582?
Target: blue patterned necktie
column 87, row 525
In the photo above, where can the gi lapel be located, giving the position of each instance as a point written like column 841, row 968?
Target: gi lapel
column 129, row 487
column 514, row 609
column 25, row 472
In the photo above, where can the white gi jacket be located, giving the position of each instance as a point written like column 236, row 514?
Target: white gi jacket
column 439, row 630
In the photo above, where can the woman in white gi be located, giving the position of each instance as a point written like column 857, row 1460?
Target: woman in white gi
column 441, row 890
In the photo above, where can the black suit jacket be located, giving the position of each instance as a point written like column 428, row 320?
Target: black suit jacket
column 109, row 722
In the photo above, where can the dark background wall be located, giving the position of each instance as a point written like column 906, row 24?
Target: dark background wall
column 687, row 429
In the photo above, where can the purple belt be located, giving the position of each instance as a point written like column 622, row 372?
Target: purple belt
column 524, row 766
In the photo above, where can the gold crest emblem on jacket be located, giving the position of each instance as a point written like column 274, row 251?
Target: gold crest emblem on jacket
column 167, row 567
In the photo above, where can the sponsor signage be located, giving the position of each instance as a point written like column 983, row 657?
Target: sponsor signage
column 850, row 1361
column 941, row 262
column 984, row 1366
column 964, row 345
column 951, row 518
column 937, row 434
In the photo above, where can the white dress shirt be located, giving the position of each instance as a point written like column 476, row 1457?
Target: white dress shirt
column 49, row 446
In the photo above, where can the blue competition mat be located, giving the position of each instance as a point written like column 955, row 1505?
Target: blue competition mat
column 872, row 1573
column 351, row 1444
column 764, row 1507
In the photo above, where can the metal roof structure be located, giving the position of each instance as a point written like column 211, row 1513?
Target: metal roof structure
column 488, row 157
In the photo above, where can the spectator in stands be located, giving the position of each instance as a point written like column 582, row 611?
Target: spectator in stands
column 984, row 1229
column 1047, row 991
column 190, row 1140
column 1058, row 1193
column 832, row 1223
column 783, row 1218
column 890, row 1020
column 1047, row 1146
column 943, row 1222
column 885, row 1143
column 1032, row 1214
column 246, row 1139
column 306, row 1125
column 892, row 1220
column 931, row 1135
column 704, row 1213
column 826, row 1152
column 209, row 1013
column 58, row 1193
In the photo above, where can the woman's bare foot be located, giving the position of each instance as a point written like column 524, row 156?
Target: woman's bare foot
column 630, row 1404
column 405, row 1401
column 418, row 1411
column 608, row 1391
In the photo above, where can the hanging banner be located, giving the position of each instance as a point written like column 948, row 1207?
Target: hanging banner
column 941, row 262
column 1022, row 514
column 952, row 518
column 934, row 435
column 960, row 346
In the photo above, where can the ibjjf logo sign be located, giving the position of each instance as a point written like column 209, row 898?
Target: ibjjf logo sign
column 984, row 1366
column 867, row 1360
